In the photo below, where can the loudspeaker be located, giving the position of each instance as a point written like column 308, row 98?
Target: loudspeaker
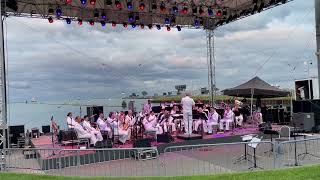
column 46, row 129
column 104, row 144
column 142, row 143
column 94, row 110
column 16, row 132
column 305, row 121
column 164, row 138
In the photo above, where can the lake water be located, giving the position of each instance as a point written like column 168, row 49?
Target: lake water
column 39, row 114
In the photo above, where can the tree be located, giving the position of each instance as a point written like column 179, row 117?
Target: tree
column 144, row 93
column 124, row 104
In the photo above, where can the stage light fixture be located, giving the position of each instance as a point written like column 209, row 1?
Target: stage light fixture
column 131, row 18
column 93, row 2
column 69, row 1
column 129, row 5
column 150, row 26
column 197, row 23
column 58, row 12
column 125, row 25
column 154, row 6
column 91, row 22
column 194, row 10
column 162, row 7
column 219, row 13
column 179, row 28
column 184, row 10
column 80, row 22
column 201, row 11
column 133, row 25
column 168, row 28
column 175, row 9
column 142, row 6
column 118, row 4
column 103, row 16
column 142, row 26
column 158, row 26
column 83, row 2
column 50, row 19
column 96, row 14
column 137, row 18
column 173, row 20
column 210, row 12
column 108, row 2
column 224, row 12
column 166, row 21
column 103, row 23
column 68, row 20
column 261, row 7
column 114, row 24
column 50, row 11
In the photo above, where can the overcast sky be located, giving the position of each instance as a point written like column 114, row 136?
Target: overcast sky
column 59, row 61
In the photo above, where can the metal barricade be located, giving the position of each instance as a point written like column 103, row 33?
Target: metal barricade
column 209, row 159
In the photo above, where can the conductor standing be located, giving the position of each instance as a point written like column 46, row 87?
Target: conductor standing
column 187, row 106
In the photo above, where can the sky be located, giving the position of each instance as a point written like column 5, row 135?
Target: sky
column 59, row 61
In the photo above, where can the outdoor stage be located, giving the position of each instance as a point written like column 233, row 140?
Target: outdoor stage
column 66, row 156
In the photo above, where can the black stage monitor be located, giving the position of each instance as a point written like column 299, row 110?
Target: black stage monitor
column 16, row 132
column 46, row 129
column 156, row 109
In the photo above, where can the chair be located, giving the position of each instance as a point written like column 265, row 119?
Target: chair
column 284, row 134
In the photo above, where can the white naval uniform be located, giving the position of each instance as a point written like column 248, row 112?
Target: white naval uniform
column 166, row 122
column 151, row 125
column 118, row 130
column 89, row 128
column 212, row 121
column 227, row 119
column 104, row 126
column 131, row 121
column 82, row 133
column 71, row 122
column 187, row 105
column 198, row 122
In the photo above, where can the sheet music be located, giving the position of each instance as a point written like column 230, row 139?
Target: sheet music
column 254, row 142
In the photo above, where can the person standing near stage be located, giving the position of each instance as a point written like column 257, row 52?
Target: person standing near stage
column 187, row 106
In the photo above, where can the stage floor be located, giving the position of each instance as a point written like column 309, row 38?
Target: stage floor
column 45, row 143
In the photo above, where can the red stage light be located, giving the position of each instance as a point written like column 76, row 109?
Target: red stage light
column 69, row 1
column 114, row 24
column 125, row 25
column 142, row 26
column 93, row 2
column 168, row 28
column 80, row 22
column 185, row 10
column 142, row 6
column 219, row 13
column 50, row 20
column 118, row 4
column 91, row 22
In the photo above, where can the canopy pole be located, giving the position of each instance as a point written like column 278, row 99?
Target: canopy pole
column 251, row 106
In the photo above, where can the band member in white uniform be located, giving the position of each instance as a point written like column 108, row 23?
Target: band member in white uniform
column 118, row 127
column 147, row 107
column 129, row 122
column 103, row 125
column 227, row 119
column 151, row 125
column 87, row 126
column 82, row 133
column 167, row 121
column 201, row 120
column 70, row 121
column 213, row 120
column 237, row 114
column 187, row 105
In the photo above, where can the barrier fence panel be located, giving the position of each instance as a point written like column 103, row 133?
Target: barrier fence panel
column 300, row 152
column 212, row 159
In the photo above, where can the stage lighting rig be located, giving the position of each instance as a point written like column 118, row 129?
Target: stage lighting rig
column 50, row 11
column 175, row 10
column 80, row 22
column 168, row 28
column 154, row 5
column 125, row 25
column 142, row 26
column 179, row 28
column 142, row 6
column 58, row 12
column 113, row 24
column 201, row 11
column 167, row 21
column 91, row 22
column 118, row 4
column 162, row 6
column 68, row 20
column 133, row 25
column 150, row 26
column 103, row 23
column 69, row 2
column 103, row 16
column 130, row 5
column 93, row 2
column 96, row 14
column 109, row 2
column 158, row 26
column 184, row 10
column 210, row 12
column 83, row 2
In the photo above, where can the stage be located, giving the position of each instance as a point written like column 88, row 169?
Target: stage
column 66, row 156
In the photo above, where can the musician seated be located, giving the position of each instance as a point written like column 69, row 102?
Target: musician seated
column 166, row 121
column 118, row 128
column 227, row 119
column 202, row 119
column 238, row 116
column 82, row 133
column 129, row 121
column 150, row 124
column 103, row 125
column 87, row 126
column 257, row 118
column 213, row 120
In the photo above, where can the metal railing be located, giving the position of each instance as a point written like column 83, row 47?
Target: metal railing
column 204, row 159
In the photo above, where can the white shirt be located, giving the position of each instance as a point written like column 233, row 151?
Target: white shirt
column 131, row 120
column 79, row 129
column 102, row 124
column 87, row 126
column 187, row 104
column 213, row 117
column 147, row 108
column 228, row 115
column 71, row 122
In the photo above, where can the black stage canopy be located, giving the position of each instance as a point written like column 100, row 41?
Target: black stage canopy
column 256, row 87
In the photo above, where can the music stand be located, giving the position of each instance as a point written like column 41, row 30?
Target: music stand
column 254, row 144
column 304, row 154
column 244, row 157
column 271, row 133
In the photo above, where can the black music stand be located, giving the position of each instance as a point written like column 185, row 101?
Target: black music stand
column 244, row 157
column 304, row 154
column 254, row 144
column 271, row 133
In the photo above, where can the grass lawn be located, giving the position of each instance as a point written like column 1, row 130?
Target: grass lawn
column 306, row 173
